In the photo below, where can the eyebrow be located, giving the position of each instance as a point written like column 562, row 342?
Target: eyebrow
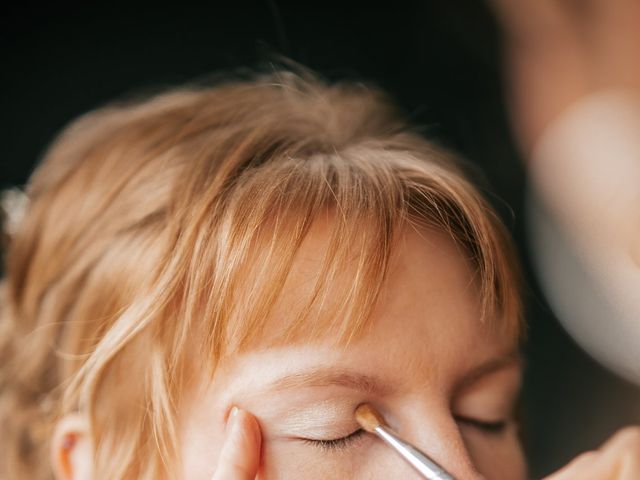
column 330, row 377
column 373, row 385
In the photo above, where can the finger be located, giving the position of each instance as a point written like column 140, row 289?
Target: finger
column 608, row 465
column 617, row 459
column 240, row 455
column 625, row 437
column 577, row 468
column 621, row 454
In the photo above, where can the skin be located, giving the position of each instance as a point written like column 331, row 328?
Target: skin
column 556, row 52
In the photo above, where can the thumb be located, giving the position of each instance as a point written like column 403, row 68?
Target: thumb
column 240, row 455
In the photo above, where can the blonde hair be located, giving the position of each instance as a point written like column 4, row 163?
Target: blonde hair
column 161, row 232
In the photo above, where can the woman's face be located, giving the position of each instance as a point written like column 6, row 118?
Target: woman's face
column 444, row 381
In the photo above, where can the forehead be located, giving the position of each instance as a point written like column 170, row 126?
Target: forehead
column 428, row 307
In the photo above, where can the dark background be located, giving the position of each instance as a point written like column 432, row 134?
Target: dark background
column 439, row 59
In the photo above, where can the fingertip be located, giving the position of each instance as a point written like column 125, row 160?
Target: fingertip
column 240, row 455
column 254, row 428
column 248, row 425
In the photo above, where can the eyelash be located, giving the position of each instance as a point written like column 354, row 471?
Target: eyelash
column 336, row 443
column 492, row 428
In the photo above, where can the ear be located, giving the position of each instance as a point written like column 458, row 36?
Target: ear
column 71, row 449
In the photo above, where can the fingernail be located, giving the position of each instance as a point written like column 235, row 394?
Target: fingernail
column 69, row 442
column 231, row 419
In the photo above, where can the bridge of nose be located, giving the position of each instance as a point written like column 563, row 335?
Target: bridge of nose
column 434, row 431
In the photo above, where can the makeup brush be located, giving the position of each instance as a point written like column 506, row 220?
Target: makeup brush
column 371, row 421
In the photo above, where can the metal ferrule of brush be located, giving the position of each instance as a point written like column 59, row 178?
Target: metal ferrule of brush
column 420, row 461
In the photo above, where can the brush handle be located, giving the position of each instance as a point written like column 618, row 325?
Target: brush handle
column 419, row 460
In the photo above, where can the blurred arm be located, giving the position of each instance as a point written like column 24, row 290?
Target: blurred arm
column 586, row 168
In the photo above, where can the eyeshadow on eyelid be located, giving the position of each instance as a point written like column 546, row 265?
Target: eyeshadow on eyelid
column 321, row 420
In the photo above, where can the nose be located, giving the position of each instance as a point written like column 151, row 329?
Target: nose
column 438, row 436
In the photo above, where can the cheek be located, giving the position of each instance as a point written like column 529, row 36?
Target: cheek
column 496, row 456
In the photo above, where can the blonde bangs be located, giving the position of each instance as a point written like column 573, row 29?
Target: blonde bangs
column 365, row 195
column 265, row 241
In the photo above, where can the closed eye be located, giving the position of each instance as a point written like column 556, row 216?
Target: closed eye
column 496, row 427
column 336, row 443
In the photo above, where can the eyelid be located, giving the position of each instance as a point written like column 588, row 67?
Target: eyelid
column 495, row 427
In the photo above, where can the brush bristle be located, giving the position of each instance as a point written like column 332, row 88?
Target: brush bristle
column 368, row 417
